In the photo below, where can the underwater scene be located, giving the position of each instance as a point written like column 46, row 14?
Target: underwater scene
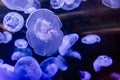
column 59, row 39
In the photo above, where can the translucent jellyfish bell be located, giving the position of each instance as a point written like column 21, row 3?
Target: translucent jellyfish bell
column 7, row 37
column 85, row 75
column 49, row 67
column 71, row 4
column 43, row 32
column 21, row 43
column 68, row 41
column 111, row 3
column 1, row 37
column 102, row 61
column 13, row 21
column 91, row 39
column 56, row 4
column 28, row 68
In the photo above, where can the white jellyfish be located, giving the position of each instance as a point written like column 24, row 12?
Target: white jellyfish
column 68, row 41
column 13, row 21
column 7, row 37
column 102, row 61
column 85, row 75
column 91, row 39
column 21, row 43
column 27, row 68
column 112, row 3
column 1, row 37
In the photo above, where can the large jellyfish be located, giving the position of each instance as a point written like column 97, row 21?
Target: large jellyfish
column 43, row 32
column 102, row 61
column 13, row 21
column 27, row 68
column 7, row 36
column 112, row 3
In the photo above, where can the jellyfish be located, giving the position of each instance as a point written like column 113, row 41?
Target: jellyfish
column 1, row 37
column 102, row 61
column 91, row 39
column 71, row 4
column 68, row 41
column 56, row 4
column 85, row 75
column 21, row 43
column 21, row 5
column 115, row 75
column 61, row 63
column 43, row 32
column 7, row 67
column 1, row 61
column 111, row 3
column 13, row 22
column 27, row 68
column 7, row 37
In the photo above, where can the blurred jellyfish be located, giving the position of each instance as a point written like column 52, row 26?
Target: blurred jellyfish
column 13, row 21
column 21, row 5
column 49, row 67
column 68, row 41
column 71, row 4
column 27, row 68
column 91, row 39
column 56, row 4
column 115, row 75
column 43, row 32
column 61, row 63
column 1, row 37
column 1, row 61
column 85, row 75
column 21, row 43
column 7, row 37
column 112, row 3
column 102, row 61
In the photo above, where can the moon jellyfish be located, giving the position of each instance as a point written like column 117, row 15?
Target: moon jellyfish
column 1, row 37
column 71, row 4
column 7, row 37
column 49, row 67
column 56, row 4
column 112, row 3
column 13, row 21
column 102, row 61
column 27, row 68
column 85, row 75
column 91, row 39
column 7, row 67
column 68, row 41
column 21, row 43
column 61, row 63
column 43, row 32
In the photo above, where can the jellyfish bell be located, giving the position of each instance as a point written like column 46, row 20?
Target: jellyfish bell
column 7, row 37
column 43, row 32
column 85, row 75
column 1, row 37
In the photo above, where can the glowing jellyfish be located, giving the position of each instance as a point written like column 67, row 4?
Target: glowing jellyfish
column 115, row 75
column 7, row 67
column 56, row 4
column 85, row 75
column 49, row 67
column 43, row 32
column 7, row 37
column 91, row 39
column 21, row 5
column 68, row 41
column 13, row 21
column 27, row 68
column 111, row 3
column 1, row 37
column 71, row 4
column 102, row 61
column 1, row 61
column 21, row 43
column 61, row 63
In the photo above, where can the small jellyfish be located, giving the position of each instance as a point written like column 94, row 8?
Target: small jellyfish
column 13, row 21
column 71, row 4
column 43, row 32
column 102, row 61
column 1, row 61
column 56, row 4
column 1, row 37
column 68, row 41
column 91, row 39
column 49, row 67
column 7, row 37
column 27, row 68
column 111, row 3
column 21, row 43
column 115, row 75
column 61, row 63
column 85, row 75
